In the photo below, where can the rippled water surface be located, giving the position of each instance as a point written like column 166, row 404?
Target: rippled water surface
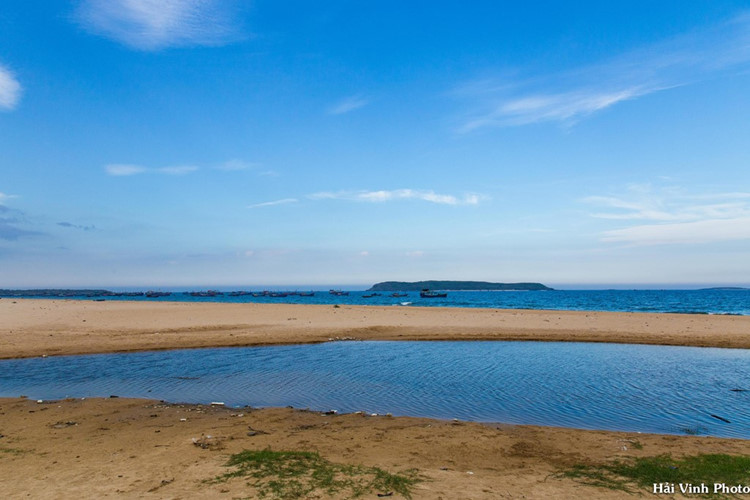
column 591, row 386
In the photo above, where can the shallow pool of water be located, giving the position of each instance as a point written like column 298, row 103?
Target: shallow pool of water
column 590, row 386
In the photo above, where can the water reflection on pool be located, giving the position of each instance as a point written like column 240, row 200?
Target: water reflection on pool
column 590, row 386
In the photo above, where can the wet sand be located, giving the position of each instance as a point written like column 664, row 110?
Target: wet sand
column 31, row 328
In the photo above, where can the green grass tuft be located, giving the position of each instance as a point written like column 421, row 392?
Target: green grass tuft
column 12, row 451
column 297, row 474
column 645, row 472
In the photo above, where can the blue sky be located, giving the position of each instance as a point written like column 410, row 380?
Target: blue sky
column 199, row 142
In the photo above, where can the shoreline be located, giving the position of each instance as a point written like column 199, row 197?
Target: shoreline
column 45, row 327
column 138, row 448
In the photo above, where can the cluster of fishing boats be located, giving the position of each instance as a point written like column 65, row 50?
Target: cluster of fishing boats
column 153, row 294
column 425, row 294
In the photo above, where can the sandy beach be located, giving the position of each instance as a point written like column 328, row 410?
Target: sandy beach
column 145, row 449
column 30, row 328
column 149, row 449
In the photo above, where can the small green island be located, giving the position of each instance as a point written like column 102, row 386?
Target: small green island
column 415, row 286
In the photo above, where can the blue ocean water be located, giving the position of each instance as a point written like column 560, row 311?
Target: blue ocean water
column 712, row 301
column 660, row 389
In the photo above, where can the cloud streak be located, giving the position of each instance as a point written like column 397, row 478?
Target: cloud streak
column 399, row 194
column 126, row 170
column 10, row 89
column 76, row 226
column 157, row 24
column 672, row 217
column 284, row 201
column 704, row 231
column 4, row 196
column 179, row 170
column 571, row 96
column 382, row 196
column 236, row 166
column 348, row 105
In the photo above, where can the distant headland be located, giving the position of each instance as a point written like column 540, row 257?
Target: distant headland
column 415, row 286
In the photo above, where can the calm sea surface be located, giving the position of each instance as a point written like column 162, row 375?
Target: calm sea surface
column 677, row 301
column 679, row 390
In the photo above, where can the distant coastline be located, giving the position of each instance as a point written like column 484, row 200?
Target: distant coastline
column 54, row 292
column 725, row 288
column 463, row 286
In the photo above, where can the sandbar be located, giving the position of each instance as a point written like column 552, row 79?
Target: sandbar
column 44, row 327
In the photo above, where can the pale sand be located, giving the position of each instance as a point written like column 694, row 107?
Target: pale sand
column 54, row 327
column 140, row 449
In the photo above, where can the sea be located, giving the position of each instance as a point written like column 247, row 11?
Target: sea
column 700, row 301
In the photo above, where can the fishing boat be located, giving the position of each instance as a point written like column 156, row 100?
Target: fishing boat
column 427, row 294
column 207, row 293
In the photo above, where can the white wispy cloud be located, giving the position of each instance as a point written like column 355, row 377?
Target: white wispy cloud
column 124, row 170
column 552, row 107
column 645, row 202
column 10, row 89
column 570, row 96
column 703, row 231
column 157, row 24
column 284, row 201
column 399, row 194
column 237, row 165
column 178, row 170
column 673, row 216
column 5, row 196
column 349, row 104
